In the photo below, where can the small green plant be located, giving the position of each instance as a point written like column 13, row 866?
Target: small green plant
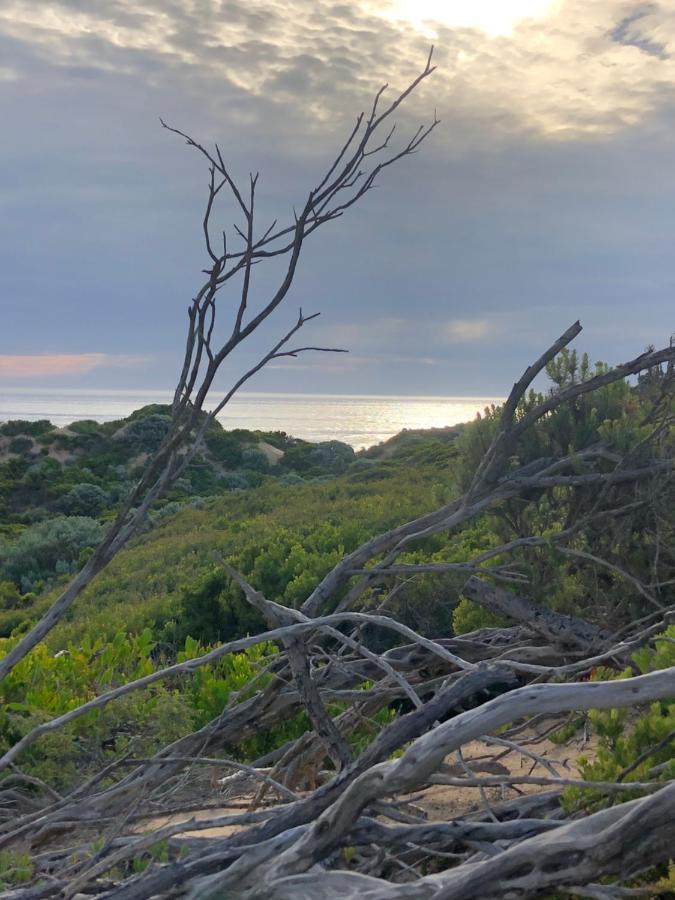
column 632, row 747
column 15, row 868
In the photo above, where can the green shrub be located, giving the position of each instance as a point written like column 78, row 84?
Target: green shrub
column 254, row 459
column 627, row 737
column 20, row 445
column 84, row 500
column 23, row 426
column 16, row 867
column 49, row 546
column 44, row 685
column 224, row 446
column 211, row 612
column 468, row 616
column 147, row 433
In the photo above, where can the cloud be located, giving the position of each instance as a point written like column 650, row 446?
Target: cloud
column 547, row 193
column 60, row 364
column 466, row 331
column 585, row 67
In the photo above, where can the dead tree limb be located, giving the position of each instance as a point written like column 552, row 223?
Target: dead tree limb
column 353, row 173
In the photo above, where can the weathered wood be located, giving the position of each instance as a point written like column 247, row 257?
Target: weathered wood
column 554, row 626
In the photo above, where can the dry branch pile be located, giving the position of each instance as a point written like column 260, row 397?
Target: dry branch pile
column 312, row 819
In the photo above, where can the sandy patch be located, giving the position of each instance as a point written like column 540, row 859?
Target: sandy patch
column 440, row 802
column 273, row 454
column 444, row 802
column 189, row 819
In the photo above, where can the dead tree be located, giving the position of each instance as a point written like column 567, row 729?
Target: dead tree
column 232, row 262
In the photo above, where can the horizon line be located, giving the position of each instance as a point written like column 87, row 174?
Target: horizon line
column 141, row 392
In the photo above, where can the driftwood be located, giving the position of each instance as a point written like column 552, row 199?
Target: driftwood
column 552, row 626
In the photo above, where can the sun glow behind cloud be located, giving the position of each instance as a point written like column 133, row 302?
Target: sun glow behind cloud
column 493, row 17
column 561, row 68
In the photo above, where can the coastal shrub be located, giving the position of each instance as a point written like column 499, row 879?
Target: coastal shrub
column 84, row 500
column 10, row 596
column 23, row 426
column 224, row 446
column 47, row 684
column 86, row 426
column 210, row 612
column 20, row 444
column 332, row 456
column 210, row 688
column 44, row 685
column 255, row 459
column 278, row 439
column 16, row 867
column 143, row 412
column 235, row 481
column 291, row 478
column 632, row 747
column 468, row 616
column 147, row 433
column 37, row 551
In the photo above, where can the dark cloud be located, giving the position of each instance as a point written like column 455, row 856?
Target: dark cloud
column 547, row 194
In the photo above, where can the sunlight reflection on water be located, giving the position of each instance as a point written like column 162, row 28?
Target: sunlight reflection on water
column 358, row 420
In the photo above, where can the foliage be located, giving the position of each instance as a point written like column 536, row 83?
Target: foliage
column 633, row 745
column 49, row 548
column 85, row 500
column 254, row 459
column 16, row 867
column 147, row 433
column 20, row 444
column 468, row 616
column 45, row 685
column 224, row 446
column 22, row 426
column 208, row 613
column 309, row 459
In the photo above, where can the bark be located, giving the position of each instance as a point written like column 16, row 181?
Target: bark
column 553, row 626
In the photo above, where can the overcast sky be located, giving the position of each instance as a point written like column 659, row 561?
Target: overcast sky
column 546, row 194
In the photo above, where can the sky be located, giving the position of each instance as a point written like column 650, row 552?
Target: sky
column 545, row 195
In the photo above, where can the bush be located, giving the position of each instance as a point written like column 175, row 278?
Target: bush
column 48, row 544
column 20, row 445
column 331, row 456
column 468, row 616
column 84, row 500
column 22, row 426
column 10, row 597
column 43, row 686
column 224, row 446
column 234, row 481
column 85, row 426
column 207, row 615
column 627, row 739
column 254, row 459
column 290, row 479
column 147, row 433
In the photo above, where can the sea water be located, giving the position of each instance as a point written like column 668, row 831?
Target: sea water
column 357, row 420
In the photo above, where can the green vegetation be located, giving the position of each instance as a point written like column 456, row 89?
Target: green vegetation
column 284, row 520
column 634, row 746
column 58, row 476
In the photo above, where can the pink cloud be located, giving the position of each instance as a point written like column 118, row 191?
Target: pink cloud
column 55, row 364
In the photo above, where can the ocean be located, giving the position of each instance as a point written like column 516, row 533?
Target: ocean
column 357, row 420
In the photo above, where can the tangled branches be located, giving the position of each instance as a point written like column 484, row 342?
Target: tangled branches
column 314, row 806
